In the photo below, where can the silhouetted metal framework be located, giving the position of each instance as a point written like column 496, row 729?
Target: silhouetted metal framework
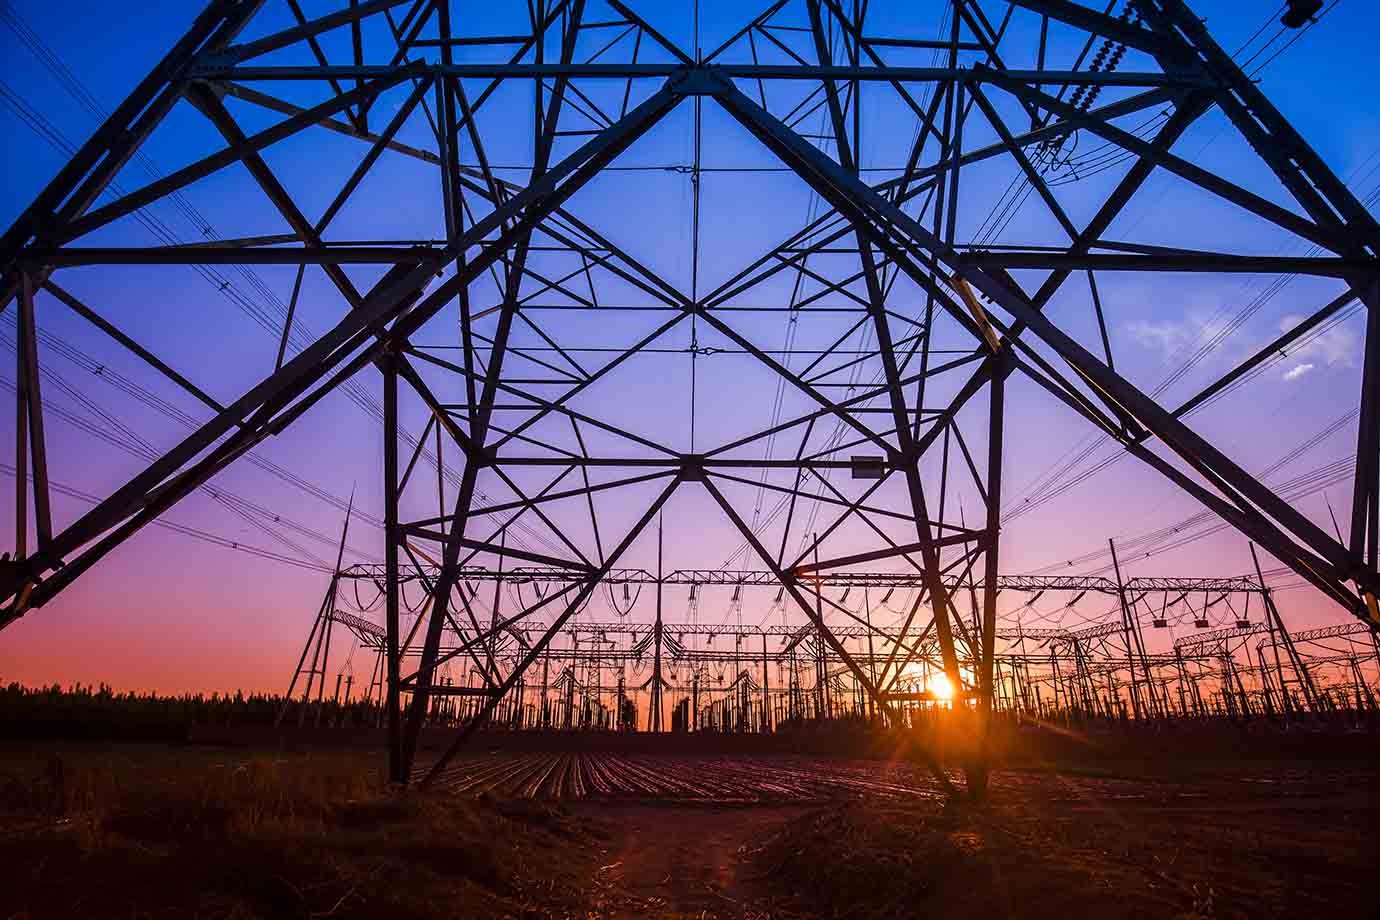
column 740, row 678
column 601, row 77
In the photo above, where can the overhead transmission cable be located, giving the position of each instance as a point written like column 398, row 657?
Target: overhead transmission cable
column 1053, row 483
column 185, row 530
column 836, row 435
column 1138, row 543
column 299, row 335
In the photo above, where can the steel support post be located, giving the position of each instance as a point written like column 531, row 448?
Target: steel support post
column 392, row 702
column 977, row 776
column 1365, row 502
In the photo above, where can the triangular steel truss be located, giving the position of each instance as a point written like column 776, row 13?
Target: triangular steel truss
column 884, row 260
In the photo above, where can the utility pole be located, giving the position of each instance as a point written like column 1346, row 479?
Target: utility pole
column 1300, row 669
column 766, row 688
column 871, row 652
column 821, row 672
column 1128, row 630
column 654, row 723
column 695, row 701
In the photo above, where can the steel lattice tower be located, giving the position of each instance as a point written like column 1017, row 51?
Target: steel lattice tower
column 921, row 330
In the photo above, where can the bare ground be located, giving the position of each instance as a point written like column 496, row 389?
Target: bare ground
column 1166, row 841
column 684, row 861
column 155, row 831
column 1187, row 841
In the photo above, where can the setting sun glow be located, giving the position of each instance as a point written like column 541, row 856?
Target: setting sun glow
column 941, row 688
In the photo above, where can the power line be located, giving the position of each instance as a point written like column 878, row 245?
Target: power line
column 185, row 530
column 300, row 336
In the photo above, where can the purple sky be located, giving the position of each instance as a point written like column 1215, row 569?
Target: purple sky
column 172, row 612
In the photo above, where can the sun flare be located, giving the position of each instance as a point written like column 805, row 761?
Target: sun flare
column 941, row 687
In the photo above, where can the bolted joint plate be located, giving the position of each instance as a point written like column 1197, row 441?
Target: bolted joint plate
column 692, row 468
column 698, row 81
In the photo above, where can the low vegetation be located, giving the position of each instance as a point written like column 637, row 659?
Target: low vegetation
column 1205, row 821
column 100, row 712
column 154, row 831
column 1207, row 841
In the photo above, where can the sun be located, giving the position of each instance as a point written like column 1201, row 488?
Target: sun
column 940, row 686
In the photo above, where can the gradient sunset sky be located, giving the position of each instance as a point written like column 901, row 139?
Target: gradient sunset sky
column 172, row 612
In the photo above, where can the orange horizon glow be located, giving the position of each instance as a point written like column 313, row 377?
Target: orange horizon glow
column 169, row 613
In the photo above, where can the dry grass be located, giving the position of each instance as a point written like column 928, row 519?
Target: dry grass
column 200, row 834
column 178, row 831
column 1273, row 842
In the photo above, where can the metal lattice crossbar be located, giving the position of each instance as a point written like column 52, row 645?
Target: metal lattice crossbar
column 507, row 317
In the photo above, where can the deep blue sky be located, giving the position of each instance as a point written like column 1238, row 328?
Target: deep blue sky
column 194, row 615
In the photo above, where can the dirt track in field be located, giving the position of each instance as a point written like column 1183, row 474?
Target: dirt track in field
column 1202, row 841
column 753, row 836
column 157, row 830
column 681, row 861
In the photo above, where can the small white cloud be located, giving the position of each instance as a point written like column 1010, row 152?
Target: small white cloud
column 1339, row 346
column 1297, row 371
column 1174, row 337
column 1162, row 337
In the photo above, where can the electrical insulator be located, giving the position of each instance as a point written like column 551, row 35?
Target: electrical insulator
column 1298, row 13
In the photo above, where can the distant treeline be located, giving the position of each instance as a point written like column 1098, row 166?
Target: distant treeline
column 101, row 713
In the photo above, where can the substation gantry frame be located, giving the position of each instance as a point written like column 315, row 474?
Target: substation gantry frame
column 1105, row 667
column 1155, row 54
